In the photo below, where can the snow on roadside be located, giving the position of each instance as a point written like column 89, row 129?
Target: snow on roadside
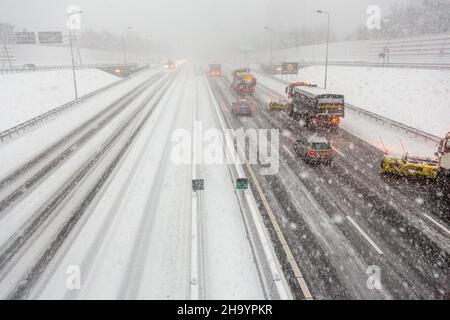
column 27, row 95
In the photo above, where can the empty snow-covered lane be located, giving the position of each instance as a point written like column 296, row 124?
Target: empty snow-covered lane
column 115, row 219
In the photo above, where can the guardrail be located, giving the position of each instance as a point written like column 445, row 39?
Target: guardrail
column 400, row 126
column 64, row 67
column 9, row 133
column 436, row 66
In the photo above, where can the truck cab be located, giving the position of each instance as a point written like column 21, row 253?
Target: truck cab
column 215, row 70
column 444, row 161
column 170, row 65
column 244, row 83
column 444, row 151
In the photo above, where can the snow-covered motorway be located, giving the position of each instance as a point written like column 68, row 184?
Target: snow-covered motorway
column 95, row 204
column 92, row 205
column 346, row 223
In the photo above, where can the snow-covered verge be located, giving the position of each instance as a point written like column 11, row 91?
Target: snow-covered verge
column 27, row 95
column 417, row 98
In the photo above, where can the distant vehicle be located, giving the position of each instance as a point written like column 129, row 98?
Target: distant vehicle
column 242, row 108
column 314, row 149
column 198, row 71
column 317, row 107
column 30, row 66
column 170, row 65
column 244, row 82
column 279, row 70
column 215, row 70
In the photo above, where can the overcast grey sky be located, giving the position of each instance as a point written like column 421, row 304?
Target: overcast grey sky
column 191, row 24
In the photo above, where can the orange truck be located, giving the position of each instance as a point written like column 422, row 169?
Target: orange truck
column 244, row 82
column 215, row 70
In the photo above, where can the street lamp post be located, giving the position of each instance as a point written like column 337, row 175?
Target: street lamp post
column 271, row 44
column 124, row 47
column 328, row 40
column 149, row 50
column 71, row 52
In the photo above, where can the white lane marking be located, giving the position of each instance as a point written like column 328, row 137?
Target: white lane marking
column 194, row 281
column 289, row 152
column 293, row 263
column 339, row 152
column 365, row 235
column 437, row 223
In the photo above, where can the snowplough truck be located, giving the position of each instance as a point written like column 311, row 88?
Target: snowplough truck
column 244, row 82
column 407, row 165
column 316, row 107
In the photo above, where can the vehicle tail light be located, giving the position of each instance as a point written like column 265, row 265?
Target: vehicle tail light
column 312, row 152
column 335, row 120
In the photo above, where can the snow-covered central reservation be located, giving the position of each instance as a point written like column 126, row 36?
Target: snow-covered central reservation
column 27, row 95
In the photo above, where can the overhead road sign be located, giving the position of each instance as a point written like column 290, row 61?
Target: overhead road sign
column 289, row 68
column 25, row 38
column 198, row 184
column 50, row 37
column 242, row 184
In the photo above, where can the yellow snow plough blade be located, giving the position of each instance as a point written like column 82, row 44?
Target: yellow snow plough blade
column 410, row 166
column 277, row 106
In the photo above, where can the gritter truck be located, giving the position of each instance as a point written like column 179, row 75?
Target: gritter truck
column 316, row 107
column 244, row 82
